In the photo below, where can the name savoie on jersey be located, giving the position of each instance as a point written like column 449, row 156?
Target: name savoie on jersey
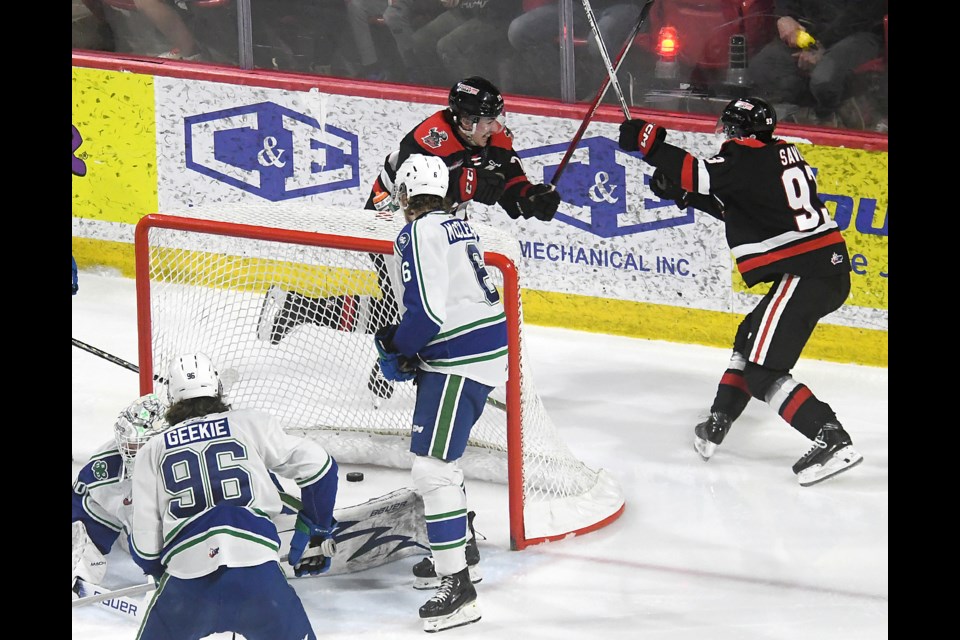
column 197, row 432
column 790, row 155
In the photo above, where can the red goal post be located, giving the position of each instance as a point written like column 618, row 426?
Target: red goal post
column 201, row 278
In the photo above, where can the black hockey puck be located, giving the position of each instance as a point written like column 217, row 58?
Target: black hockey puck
column 354, row 476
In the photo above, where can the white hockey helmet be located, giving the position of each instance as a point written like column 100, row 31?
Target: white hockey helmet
column 192, row 375
column 136, row 424
column 421, row 174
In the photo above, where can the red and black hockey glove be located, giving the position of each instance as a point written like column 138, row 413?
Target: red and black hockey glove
column 481, row 185
column 538, row 201
column 640, row 135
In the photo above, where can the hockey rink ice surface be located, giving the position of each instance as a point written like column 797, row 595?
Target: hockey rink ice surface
column 730, row 549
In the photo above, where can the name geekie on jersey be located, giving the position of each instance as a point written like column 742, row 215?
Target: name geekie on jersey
column 197, row 432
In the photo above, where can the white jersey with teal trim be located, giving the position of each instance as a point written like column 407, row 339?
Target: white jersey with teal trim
column 203, row 493
column 451, row 313
column 102, row 497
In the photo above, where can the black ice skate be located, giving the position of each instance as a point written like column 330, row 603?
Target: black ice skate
column 425, row 576
column 453, row 605
column 278, row 315
column 832, row 452
column 711, row 432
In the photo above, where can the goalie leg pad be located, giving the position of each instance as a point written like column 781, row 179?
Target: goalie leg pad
column 88, row 563
column 381, row 530
column 445, row 510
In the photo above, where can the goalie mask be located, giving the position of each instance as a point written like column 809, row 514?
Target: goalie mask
column 193, row 376
column 139, row 422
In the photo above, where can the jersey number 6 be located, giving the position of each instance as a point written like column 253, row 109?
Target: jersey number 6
column 480, row 270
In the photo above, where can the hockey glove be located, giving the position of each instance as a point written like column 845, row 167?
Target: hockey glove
column 666, row 189
column 311, row 547
column 539, row 201
column 481, row 185
column 640, row 135
column 393, row 365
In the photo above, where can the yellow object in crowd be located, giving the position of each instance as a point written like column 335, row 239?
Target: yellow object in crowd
column 805, row 40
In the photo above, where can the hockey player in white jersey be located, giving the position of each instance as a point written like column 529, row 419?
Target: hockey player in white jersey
column 452, row 339
column 102, row 502
column 202, row 524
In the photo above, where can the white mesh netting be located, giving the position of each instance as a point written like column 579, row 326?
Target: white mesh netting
column 312, row 368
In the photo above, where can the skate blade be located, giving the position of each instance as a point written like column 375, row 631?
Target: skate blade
column 272, row 304
column 467, row 614
column 817, row 474
column 704, row 448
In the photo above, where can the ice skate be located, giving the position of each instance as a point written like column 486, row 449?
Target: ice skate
column 425, row 576
column 711, row 432
column 832, row 453
column 277, row 316
column 454, row 604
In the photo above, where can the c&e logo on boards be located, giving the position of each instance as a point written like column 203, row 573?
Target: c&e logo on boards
column 271, row 151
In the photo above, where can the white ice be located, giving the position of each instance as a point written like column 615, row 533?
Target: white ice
column 730, row 549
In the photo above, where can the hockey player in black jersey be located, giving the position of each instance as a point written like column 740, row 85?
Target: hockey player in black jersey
column 477, row 147
column 779, row 232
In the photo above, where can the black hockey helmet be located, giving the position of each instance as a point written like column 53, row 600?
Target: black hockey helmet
column 474, row 98
column 745, row 117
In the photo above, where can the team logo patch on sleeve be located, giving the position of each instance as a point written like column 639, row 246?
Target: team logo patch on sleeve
column 403, row 241
column 434, row 138
column 99, row 469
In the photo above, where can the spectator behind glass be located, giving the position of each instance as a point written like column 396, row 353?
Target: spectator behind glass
column 847, row 33
column 91, row 30
column 535, row 36
column 401, row 17
column 168, row 20
column 468, row 38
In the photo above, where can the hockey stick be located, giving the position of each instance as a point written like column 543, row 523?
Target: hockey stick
column 98, row 596
column 602, row 91
column 381, row 530
column 228, row 377
column 106, row 356
column 592, row 19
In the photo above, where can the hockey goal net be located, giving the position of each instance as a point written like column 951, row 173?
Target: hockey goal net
column 204, row 277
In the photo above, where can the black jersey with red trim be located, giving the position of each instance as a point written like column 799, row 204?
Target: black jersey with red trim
column 767, row 196
column 435, row 136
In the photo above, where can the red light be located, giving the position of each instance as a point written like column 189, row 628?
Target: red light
column 668, row 43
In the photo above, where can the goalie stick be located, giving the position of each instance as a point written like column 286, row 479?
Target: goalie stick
column 119, row 600
column 600, row 93
column 381, row 530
